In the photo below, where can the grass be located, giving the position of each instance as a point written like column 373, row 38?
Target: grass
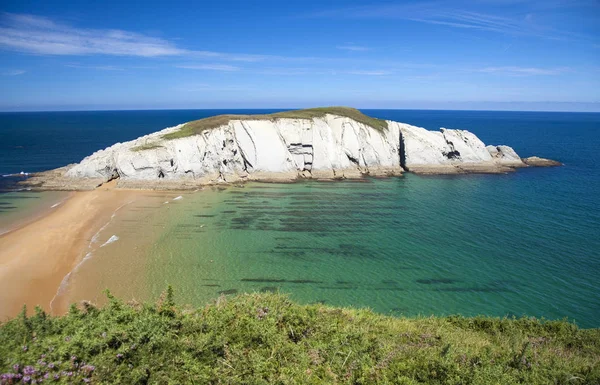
column 267, row 339
column 146, row 146
column 198, row 126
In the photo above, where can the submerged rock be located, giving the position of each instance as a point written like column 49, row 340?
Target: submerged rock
column 541, row 162
column 341, row 144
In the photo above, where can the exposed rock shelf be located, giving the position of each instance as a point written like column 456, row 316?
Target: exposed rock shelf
column 285, row 146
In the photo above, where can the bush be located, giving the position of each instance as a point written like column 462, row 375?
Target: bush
column 267, row 339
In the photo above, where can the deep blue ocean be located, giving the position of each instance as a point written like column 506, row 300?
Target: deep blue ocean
column 525, row 243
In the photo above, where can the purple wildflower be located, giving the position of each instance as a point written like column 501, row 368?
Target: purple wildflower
column 67, row 338
column 24, row 348
column 88, row 368
column 29, row 370
column 69, row 374
column 56, row 376
column 26, row 379
column 16, row 367
column 119, row 355
column 47, row 375
column 86, row 380
column 73, row 358
column 51, row 365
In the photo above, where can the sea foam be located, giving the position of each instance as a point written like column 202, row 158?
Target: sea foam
column 112, row 239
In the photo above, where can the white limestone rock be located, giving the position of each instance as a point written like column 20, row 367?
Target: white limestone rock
column 466, row 146
column 505, row 156
column 331, row 146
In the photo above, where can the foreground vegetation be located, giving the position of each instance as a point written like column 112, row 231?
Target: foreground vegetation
column 267, row 339
column 197, row 126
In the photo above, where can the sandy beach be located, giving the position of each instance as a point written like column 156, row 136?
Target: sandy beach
column 35, row 258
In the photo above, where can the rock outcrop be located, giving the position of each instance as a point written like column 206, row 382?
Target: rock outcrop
column 327, row 146
column 540, row 162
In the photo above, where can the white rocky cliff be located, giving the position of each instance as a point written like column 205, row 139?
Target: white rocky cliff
column 330, row 146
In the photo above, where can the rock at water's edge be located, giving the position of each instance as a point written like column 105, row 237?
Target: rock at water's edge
column 541, row 162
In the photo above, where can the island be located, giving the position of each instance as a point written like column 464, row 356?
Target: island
column 319, row 143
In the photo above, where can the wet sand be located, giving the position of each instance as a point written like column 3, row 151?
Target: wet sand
column 35, row 258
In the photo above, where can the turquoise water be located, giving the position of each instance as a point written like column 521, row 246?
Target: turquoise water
column 525, row 243
column 412, row 245
column 20, row 207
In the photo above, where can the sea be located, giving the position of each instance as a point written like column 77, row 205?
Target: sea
column 518, row 244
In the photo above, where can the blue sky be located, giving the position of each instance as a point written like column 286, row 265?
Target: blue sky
column 489, row 54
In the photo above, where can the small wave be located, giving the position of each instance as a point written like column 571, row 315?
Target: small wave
column 65, row 280
column 55, row 205
column 112, row 239
column 64, row 283
column 22, row 173
column 178, row 198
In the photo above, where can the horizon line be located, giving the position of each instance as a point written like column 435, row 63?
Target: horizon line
column 300, row 108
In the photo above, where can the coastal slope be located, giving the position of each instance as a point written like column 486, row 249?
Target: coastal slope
column 323, row 143
column 264, row 338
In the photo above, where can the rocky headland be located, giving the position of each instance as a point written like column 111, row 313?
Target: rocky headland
column 320, row 143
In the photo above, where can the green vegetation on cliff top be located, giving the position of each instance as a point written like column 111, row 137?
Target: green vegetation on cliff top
column 267, row 339
column 197, row 126
column 146, row 146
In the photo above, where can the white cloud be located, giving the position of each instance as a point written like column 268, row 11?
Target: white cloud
column 40, row 35
column 43, row 36
column 210, row 67
column 369, row 72
column 522, row 71
column 97, row 67
column 13, row 72
column 211, row 87
column 352, row 47
column 466, row 15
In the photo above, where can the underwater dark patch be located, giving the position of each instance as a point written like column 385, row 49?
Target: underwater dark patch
column 228, row 291
column 475, row 289
column 436, row 281
column 262, row 280
column 303, row 281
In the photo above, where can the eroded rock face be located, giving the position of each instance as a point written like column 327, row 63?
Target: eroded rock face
column 327, row 147
column 453, row 151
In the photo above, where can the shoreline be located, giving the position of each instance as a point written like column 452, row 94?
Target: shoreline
column 36, row 257
column 33, row 273
column 55, row 180
column 37, row 215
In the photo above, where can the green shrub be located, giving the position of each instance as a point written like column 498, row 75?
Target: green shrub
column 146, row 146
column 197, row 126
column 267, row 339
